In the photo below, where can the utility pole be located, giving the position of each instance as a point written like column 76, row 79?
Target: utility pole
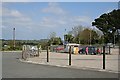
column 14, row 38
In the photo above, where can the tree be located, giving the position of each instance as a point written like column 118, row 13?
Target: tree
column 69, row 38
column 84, row 36
column 76, row 30
column 94, row 37
column 72, row 36
column 88, row 36
column 108, row 23
column 44, row 45
column 52, row 35
column 54, row 40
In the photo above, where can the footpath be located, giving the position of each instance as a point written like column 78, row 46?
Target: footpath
column 87, row 62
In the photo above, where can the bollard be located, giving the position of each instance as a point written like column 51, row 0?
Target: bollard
column 47, row 54
column 119, row 49
column 38, row 51
column 70, row 55
column 23, row 50
column 109, row 50
column 103, row 57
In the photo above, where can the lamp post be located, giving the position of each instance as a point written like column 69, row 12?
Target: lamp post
column 90, row 37
column 14, row 38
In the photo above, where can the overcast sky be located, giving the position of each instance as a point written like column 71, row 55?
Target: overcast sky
column 35, row 20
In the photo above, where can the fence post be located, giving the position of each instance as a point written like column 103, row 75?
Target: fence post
column 103, row 57
column 47, row 54
column 70, row 55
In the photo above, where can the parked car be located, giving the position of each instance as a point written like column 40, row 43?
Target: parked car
column 92, row 50
column 81, row 50
column 59, row 49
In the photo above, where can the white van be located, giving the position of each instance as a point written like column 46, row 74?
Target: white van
column 67, row 46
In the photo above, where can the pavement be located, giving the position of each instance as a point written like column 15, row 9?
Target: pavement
column 87, row 62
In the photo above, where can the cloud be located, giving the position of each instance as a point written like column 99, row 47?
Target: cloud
column 61, row 17
column 15, row 17
column 28, row 25
column 67, row 21
column 11, row 13
column 54, row 9
column 52, row 22
column 16, row 13
column 82, row 19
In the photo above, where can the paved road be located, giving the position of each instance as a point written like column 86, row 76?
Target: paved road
column 13, row 68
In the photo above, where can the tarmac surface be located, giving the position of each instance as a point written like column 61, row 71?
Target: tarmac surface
column 91, row 62
column 12, row 67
